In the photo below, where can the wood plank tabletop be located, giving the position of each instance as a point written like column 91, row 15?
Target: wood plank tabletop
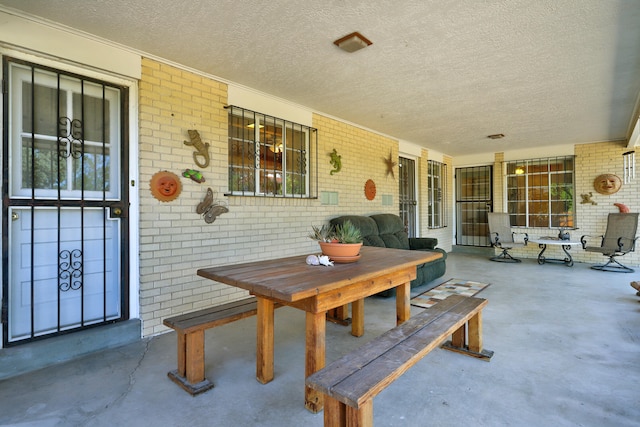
column 291, row 279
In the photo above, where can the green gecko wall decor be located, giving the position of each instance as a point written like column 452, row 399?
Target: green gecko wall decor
column 336, row 162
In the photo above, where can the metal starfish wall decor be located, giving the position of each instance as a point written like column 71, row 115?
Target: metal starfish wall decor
column 390, row 165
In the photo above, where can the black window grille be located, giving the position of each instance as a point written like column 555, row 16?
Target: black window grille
column 269, row 156
column 437, row 194
column 540, row 192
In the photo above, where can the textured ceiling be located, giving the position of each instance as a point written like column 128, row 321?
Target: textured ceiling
column 443, row 74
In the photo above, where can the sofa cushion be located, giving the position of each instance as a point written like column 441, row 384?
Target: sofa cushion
column 367, row 226
column 392, row 231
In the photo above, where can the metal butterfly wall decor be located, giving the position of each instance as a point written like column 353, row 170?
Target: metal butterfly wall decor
column 210, row 208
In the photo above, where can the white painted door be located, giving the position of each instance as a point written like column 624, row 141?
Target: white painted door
column 66, row 210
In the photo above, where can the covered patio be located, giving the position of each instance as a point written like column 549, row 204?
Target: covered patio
column 566, row 343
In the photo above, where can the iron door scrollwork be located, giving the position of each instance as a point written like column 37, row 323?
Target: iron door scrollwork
column 70, row 270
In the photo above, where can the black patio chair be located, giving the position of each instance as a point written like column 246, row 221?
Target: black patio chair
column 619, row 239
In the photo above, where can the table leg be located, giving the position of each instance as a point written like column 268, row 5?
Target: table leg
column 403, row 303
column 357, row 320
column 264, row 350
column 541, row 258
column 339, row 315
column 568, row 260
column 314, row 357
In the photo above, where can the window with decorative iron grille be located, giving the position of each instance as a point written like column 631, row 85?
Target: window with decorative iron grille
column 437, row 194
column 540, row 192
column 269, row 156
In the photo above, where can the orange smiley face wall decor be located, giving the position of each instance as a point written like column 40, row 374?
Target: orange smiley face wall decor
column 607, row 183
column 165, row 186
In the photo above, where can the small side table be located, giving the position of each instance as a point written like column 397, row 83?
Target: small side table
column 543, row 242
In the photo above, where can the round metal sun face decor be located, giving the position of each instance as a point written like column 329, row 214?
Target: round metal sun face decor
column 370, row 189
column 607, row 183
column 165, row 186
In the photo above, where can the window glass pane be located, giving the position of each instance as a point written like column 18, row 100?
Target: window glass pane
column 241, row 127
column 46, row 164
column 295, row 161
column 271, row 183
column 44, row 111
column 537, row 221
column 91, row 111
column 519, row 169
column 270, row 160
column 295, row 183
column 537, row 166
column 242, row 153
column 242, row 179
column 519, row 220
column 93, row 167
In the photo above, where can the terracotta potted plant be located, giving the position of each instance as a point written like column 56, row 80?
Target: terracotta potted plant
column 341, row 244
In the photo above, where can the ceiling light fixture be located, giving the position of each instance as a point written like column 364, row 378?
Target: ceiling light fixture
column 496, row 136
column 352, row 42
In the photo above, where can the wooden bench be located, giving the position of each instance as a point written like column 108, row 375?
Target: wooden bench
column 351, row 382
column 190, row 328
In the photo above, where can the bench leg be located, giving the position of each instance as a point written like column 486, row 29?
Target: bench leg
column 458, row 339
column 190, row 372
column 316, row 325
column 337, row 414
column 473, row 331
column 264, row 350
column 195, row 357
column 334, row 412
column 361, row 417
column 182, row 354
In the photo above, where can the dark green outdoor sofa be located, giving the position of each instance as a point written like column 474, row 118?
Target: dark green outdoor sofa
column 387, row 231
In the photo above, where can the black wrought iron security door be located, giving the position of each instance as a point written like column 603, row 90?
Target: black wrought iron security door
column 65, row 205
column 407, row 194
column 474, row 198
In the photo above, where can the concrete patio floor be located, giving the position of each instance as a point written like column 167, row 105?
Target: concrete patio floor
column 566, row 343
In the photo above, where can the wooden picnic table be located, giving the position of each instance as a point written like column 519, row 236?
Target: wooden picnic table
column 315, row 290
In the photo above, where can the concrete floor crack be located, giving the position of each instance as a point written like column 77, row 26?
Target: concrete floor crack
column 131, row 382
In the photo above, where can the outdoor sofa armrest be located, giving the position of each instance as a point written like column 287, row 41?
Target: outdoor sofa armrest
column 421, row 243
